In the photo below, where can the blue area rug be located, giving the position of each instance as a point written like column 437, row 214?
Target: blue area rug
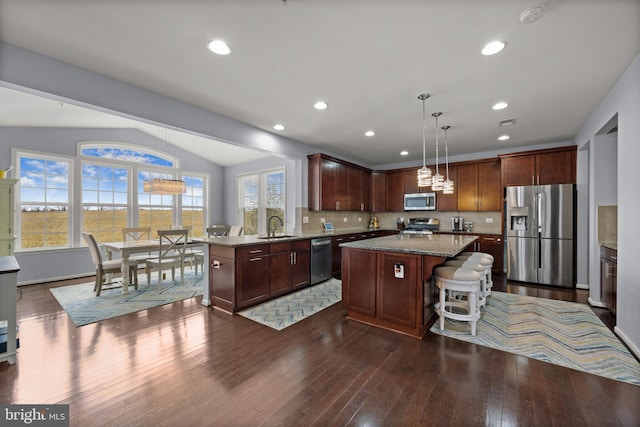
column 83, row 307
column 289, row 309
column 563, row 333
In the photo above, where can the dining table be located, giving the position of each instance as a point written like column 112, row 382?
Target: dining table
column 128, row 248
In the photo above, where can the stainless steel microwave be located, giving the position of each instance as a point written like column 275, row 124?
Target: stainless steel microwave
column 420, row 202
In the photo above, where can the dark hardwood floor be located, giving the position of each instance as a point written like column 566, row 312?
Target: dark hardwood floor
column 186, row 365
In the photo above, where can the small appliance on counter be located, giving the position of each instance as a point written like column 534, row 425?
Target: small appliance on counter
column 422, row 226
column 457, row 223
column 468, row 226
column 400, row 223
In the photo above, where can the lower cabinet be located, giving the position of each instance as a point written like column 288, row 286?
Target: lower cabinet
column 289, row 266
column 389, row 289
column 248, row 275
column 336, row 250
column 608, row 278
column 492, row 245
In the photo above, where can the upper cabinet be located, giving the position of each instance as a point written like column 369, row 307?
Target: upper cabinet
column 335, row 185
column 553, row 166
column 478, row 186
column 394, row 191
column 378, row 190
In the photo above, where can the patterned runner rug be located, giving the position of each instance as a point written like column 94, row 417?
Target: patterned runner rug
column 83, row 307
column 289, row 309
column 563, row 333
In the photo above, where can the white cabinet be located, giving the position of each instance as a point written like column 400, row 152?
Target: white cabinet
column 8, row 279
column 7, row 236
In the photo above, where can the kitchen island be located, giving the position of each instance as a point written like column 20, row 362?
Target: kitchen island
column 386, row 281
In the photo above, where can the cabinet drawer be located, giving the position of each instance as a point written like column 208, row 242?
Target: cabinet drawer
column 252, row 251
column 276, row 248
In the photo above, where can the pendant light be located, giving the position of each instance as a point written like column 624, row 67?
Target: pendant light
column 448, row 183
column 162, row 185
column 437, row 180
column 424, row 173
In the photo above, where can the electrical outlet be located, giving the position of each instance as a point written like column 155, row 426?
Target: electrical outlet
column 359, row 219
column 488, row 220
column 305, row 220
column 345, row 219
column 322, row 220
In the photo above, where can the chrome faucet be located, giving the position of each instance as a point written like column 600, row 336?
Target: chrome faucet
column 272, row 233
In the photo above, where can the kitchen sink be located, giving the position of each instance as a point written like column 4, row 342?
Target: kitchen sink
column 279, row 236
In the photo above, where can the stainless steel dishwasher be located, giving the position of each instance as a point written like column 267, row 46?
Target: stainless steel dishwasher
column 320, row 259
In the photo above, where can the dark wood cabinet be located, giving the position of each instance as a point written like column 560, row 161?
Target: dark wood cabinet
column 394, row 191
column 396, row 297
column 492, row 245
column 360, row 294
column 467, row 186
column 553, row 166
column 336, row 250
column 448, row 202
column 359, row 188
column 478, row 186
column 336, row 185
column 378, row 188
column 609, row 278
column 248, row 275
column 490, row 197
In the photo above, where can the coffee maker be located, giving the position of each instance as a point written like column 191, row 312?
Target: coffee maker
column 457, row 223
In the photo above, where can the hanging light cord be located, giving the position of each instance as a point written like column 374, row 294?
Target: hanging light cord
column 424, row 130
column 436, row 115
column 446, row 149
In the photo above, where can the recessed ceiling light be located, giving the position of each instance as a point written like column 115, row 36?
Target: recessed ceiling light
column 278, row 127
column 503, row 137
column 493, row 48
column 320, row 105
column 500, row 105
column 404, row 153
column 219, row 47
column 369, row 133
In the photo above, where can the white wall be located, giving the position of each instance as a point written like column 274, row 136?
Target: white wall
column 623, row 100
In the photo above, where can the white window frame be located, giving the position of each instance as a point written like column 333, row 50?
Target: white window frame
column 262, row 198
column 205, row 184
column 17, row 155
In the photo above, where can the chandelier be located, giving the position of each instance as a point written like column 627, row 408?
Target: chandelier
column 448, row 184
column 437, row 180
column 164, row 186
column 424, row 173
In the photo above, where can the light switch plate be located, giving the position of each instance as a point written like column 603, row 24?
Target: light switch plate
column 345, row 219
column 305, row 220
column 488, row 220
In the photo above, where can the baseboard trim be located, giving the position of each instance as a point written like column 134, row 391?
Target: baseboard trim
column 581, row 286
column 595, row 303
column 635, row 350
column 54, row 279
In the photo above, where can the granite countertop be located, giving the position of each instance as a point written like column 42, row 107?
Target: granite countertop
column 447, row 245
column 610, row 245
column 467, row 233
column 256, row 240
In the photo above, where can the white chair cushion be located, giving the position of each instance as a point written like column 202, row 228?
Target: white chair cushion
column 466, row 264
column 457, row 273
column 477, row 254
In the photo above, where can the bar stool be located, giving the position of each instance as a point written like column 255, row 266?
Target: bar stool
column 481, row 258
column 484, row 290
column 458, row 279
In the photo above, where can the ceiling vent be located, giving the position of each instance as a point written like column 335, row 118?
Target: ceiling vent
column 507, row 122
column 532, row 14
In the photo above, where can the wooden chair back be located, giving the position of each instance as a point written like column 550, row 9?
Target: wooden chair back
column 136, row 233
column 218, row 230
column 94, row 249
column 173, row 243
column 236, row 230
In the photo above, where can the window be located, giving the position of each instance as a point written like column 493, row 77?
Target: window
column 104, row 200
column 154, row 210
column 193, row 205
column 45, row 188
column 261, row 196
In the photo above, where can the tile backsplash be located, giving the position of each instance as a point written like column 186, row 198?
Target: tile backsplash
column 608, row 224
column 388, row 219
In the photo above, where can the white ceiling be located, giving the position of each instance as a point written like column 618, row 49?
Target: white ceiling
column 369, row 59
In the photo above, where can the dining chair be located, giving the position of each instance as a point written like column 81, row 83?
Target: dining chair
column 193, row 256
column 235, row 230
column 171, row 253
column 132, row 234
column 218, row 231
column 107, row 266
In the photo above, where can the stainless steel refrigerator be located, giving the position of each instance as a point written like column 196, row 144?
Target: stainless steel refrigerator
column 540, row 221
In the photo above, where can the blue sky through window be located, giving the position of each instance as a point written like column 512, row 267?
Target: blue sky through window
column 127, row 155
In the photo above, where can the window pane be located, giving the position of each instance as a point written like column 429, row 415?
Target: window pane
column 104, row 212
column 44, row 201
column 138, row 156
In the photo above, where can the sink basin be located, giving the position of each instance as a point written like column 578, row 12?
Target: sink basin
column 279, row 236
